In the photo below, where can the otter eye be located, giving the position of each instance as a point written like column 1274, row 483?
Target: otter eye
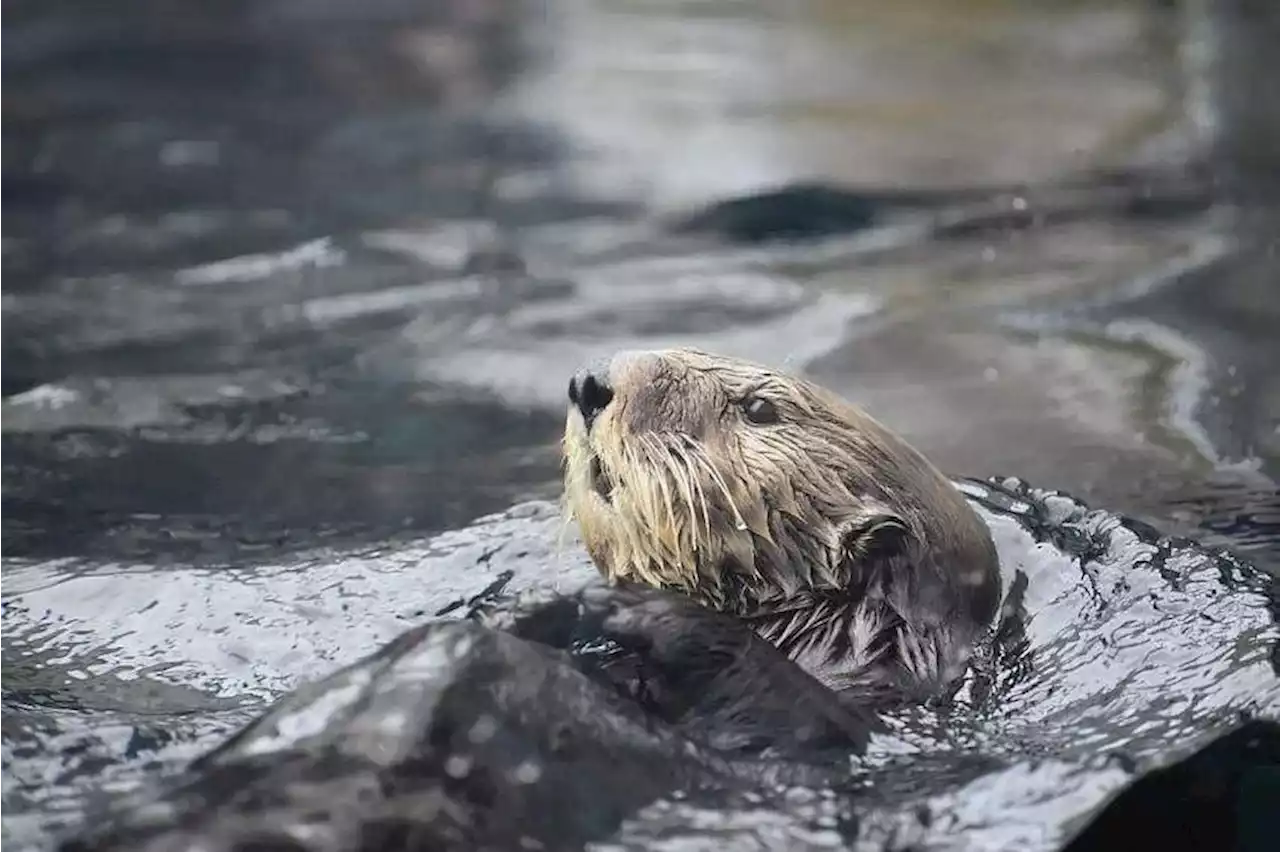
column 759, row 410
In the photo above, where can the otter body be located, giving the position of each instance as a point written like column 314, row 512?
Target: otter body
column 773, row 562
column 766, row 496
column 492, row 732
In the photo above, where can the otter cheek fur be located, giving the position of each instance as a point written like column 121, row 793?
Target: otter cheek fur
column 761, row 494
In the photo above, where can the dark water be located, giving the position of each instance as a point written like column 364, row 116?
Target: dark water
column 292, row 284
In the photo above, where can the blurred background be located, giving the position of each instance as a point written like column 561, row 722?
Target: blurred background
column 288, row 272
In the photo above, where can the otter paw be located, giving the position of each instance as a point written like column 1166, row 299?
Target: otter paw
column 711, row 675
column 538, row 615
column 666, row 627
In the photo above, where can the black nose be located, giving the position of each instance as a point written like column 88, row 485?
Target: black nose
column 590, row 391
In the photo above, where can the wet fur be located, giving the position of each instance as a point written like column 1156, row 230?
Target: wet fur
column 835, row 539
column 493, row 732
column 706, row 673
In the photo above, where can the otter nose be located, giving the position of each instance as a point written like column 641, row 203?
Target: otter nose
column 589, row 390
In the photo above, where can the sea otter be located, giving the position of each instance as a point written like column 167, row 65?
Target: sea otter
column 773, row 562
column 761, row 494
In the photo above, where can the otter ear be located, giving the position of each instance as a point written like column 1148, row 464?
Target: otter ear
column 874, row 537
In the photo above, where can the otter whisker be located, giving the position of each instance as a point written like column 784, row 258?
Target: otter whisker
column 688, row 484
column 682, row 453
column 565, row 525
column 650, row 498
column 703, row 505
column 701, row 457
column 664, row 458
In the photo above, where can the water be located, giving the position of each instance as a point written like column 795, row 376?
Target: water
column 295, row 284
column 1118, row 653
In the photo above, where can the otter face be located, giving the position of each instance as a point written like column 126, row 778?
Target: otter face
column 738, row 484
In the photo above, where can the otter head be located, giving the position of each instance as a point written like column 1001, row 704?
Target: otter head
column 742, row 486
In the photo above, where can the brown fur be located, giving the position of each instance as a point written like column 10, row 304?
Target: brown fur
column 838, row 541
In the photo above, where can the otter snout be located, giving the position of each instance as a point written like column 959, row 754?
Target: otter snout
column 590, row 391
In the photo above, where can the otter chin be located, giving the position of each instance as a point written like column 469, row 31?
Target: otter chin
column 769, row 497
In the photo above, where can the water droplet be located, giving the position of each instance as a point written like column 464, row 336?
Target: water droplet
column 483, row 730
column 527, row 772
column 458, row 766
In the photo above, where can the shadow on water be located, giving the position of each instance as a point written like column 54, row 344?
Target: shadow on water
column 292, row 287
